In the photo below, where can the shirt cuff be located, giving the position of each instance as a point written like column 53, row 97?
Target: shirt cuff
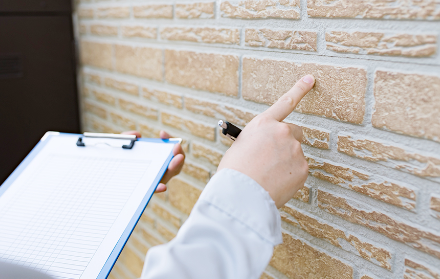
column 245, row 200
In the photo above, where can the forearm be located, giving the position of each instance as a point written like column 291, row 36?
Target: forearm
column 229, row 234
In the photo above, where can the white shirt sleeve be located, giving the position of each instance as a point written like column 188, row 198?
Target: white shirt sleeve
column 230, row 233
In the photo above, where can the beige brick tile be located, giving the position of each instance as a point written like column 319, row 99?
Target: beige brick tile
column 198, row 172
column 127, row 87
column 266, row 276
column 379, row 43
column 223, row 111
column 414, row 270
column 148, row 236
column 204, row 71
column 202, row 151
column 135, row 242
column 147, row 219
column 412, row 236
column 165, row 214
column 366, row 277
column 251, row 9
column 297, row 259
column 131, row 261
column 139, row 61
column 96, row 54
column 153, row 11
column 195, row 128
column 341, row 98
column 202, row 35
column 103, row 30
column 138, row 31
column 85, row 13
column 387, row 154
column 95, row 109
column 135, row 107
column 337, row 237
column 316, row 138
column 94, row 78
column 182, row 195
column 83, row 29
column 163, row 97
column 113, row 12
column 104, row 97
column 282, row 39
column 195, row 10
column 303, row 194
column 399, row 107
column 103, row 127
column 375, row 186
column 165, row 232
column 122, row 121
column 148, row 132
column 393, row 9
column 435, row 205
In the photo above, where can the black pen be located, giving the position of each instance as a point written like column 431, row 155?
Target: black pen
column 229, row 129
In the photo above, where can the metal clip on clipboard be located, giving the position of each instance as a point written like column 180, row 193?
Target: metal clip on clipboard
column 132, row 139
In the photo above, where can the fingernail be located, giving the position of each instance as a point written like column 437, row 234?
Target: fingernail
column 308, row 79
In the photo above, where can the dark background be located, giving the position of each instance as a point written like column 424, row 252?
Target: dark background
column 37, row 76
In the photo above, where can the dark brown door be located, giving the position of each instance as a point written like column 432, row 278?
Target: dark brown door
column 37, row 79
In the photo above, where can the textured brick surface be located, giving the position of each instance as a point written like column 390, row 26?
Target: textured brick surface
column 104, row 97
column 297, row 259
column 123, row 86
column 139, row 31
column 139, row 61
column 435, row 205
column 195, row 128
column 250, row 9
column 136, row 108
column 282, row 39
column 85, row 13
column 122, row 121
column 104, row 30
column 393, row 156
column 153, row 11
column 196, row 171
column 96, row 110
column 221, row 111
column 205, row 71
column 166, row 98
column 370, row 208
column 337, row 237
column 131, row 260
column 182, row 195
column 165, row 214
column 316, row 138
column 96, row 54
column 303, row 194
column 211, row 155
column 113, row 12
column 399, row 106
column 423, row 240
column 195, row 10
column 201, row 35
column 265, row 80
column 375, row 186
column 381, row 44
column 392, row 9
column 414, row 270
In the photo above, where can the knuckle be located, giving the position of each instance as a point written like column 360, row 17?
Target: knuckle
column 284, row 130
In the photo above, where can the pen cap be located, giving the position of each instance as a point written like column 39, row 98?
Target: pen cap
column 232, row 130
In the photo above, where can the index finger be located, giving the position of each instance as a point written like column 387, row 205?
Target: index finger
column 287, row 103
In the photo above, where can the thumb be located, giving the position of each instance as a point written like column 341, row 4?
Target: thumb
column 287, row 103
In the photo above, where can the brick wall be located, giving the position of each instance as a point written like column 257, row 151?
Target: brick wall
column 371, row 204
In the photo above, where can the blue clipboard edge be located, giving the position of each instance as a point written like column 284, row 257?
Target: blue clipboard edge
column 106, row 269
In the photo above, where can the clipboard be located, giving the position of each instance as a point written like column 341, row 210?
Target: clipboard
column 82, row 143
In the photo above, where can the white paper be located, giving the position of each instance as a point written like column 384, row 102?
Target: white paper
column 67, row 210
